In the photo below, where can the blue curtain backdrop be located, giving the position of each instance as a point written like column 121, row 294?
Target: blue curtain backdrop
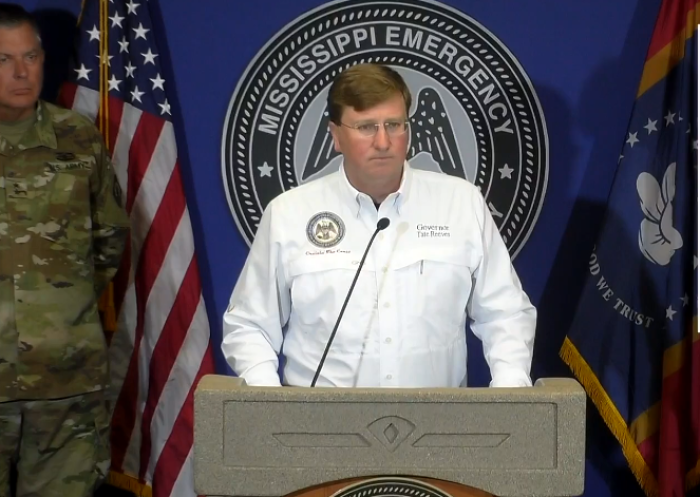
column 584, row 60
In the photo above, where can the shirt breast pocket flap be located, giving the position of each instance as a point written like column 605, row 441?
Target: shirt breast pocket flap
column 444, row 257
column 321, row 263
column 451, row 256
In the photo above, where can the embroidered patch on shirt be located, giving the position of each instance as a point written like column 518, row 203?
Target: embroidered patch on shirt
column 325, row 229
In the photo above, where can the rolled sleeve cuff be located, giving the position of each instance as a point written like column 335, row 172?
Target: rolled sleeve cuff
column 511, row 379
column 262, row 375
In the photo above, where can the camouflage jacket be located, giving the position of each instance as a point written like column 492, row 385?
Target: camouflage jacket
column 62, row 233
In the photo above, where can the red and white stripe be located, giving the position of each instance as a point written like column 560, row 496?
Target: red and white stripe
column 163, row 317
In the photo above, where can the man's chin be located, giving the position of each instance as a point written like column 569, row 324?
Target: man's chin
column 18, row 106
column 385, row 171
column 19, row 99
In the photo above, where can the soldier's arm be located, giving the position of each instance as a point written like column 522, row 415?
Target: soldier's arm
column 110, row 221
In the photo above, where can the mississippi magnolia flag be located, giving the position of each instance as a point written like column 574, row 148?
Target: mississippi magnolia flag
column 634, row 344
column 161, row 346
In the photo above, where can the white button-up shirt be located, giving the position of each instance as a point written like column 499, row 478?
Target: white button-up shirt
column 440, row 265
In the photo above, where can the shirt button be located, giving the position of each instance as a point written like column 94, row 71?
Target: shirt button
column 385, row 269
column 388, row 340
column 381, row 236
column 388, row 377
column 387, row 304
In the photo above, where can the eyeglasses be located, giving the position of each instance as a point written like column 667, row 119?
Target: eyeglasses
column 392, row 128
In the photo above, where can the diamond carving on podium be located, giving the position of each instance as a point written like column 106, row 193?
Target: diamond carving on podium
column 391, row 431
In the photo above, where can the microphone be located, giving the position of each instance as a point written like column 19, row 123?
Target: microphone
column 382, row 224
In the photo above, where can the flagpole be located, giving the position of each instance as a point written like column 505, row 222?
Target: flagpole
column 106, row 302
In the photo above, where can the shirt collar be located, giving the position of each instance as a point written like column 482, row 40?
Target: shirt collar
column 44, row 132
column 357, row 199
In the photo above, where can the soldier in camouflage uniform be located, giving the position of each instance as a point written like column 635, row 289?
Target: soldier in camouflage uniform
column 62, row 233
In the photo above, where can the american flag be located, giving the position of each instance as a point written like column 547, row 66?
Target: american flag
column 161, row 347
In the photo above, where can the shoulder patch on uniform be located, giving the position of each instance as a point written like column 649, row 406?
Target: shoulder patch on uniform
column 325, row 229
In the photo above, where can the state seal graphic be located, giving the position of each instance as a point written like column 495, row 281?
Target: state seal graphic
column 325, row 230
column 391, row 487
column 475, row 114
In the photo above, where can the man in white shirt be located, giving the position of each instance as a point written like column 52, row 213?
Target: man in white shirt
column 439, row 265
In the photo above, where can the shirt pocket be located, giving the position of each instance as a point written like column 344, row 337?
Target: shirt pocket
column 69, row 187
column 319, row 285
column 443, row 285
column 67, row 216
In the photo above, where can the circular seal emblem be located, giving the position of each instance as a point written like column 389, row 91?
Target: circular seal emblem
column 391, row 487
column 474, row 115
column 325, row 230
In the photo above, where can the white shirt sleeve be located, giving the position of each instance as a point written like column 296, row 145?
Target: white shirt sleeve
column 502, row 316
column 258, row 309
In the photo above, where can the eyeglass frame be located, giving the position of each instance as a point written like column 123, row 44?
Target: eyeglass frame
column 406, row 122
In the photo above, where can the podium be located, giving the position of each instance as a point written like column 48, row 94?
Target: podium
column 374, row 442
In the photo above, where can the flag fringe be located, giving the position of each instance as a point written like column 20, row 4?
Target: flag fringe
column 617, row 425
column 130, row 484
column 692, row 479
column 82, row 11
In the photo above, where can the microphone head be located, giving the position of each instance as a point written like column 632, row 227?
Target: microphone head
column 383, row 223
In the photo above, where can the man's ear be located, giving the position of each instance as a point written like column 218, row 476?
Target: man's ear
column 335, row 130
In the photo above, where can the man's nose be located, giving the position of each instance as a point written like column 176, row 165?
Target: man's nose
column 381, row 139
column 20, row 69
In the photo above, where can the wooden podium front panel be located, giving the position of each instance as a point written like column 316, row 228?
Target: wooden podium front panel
column 347, row 488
